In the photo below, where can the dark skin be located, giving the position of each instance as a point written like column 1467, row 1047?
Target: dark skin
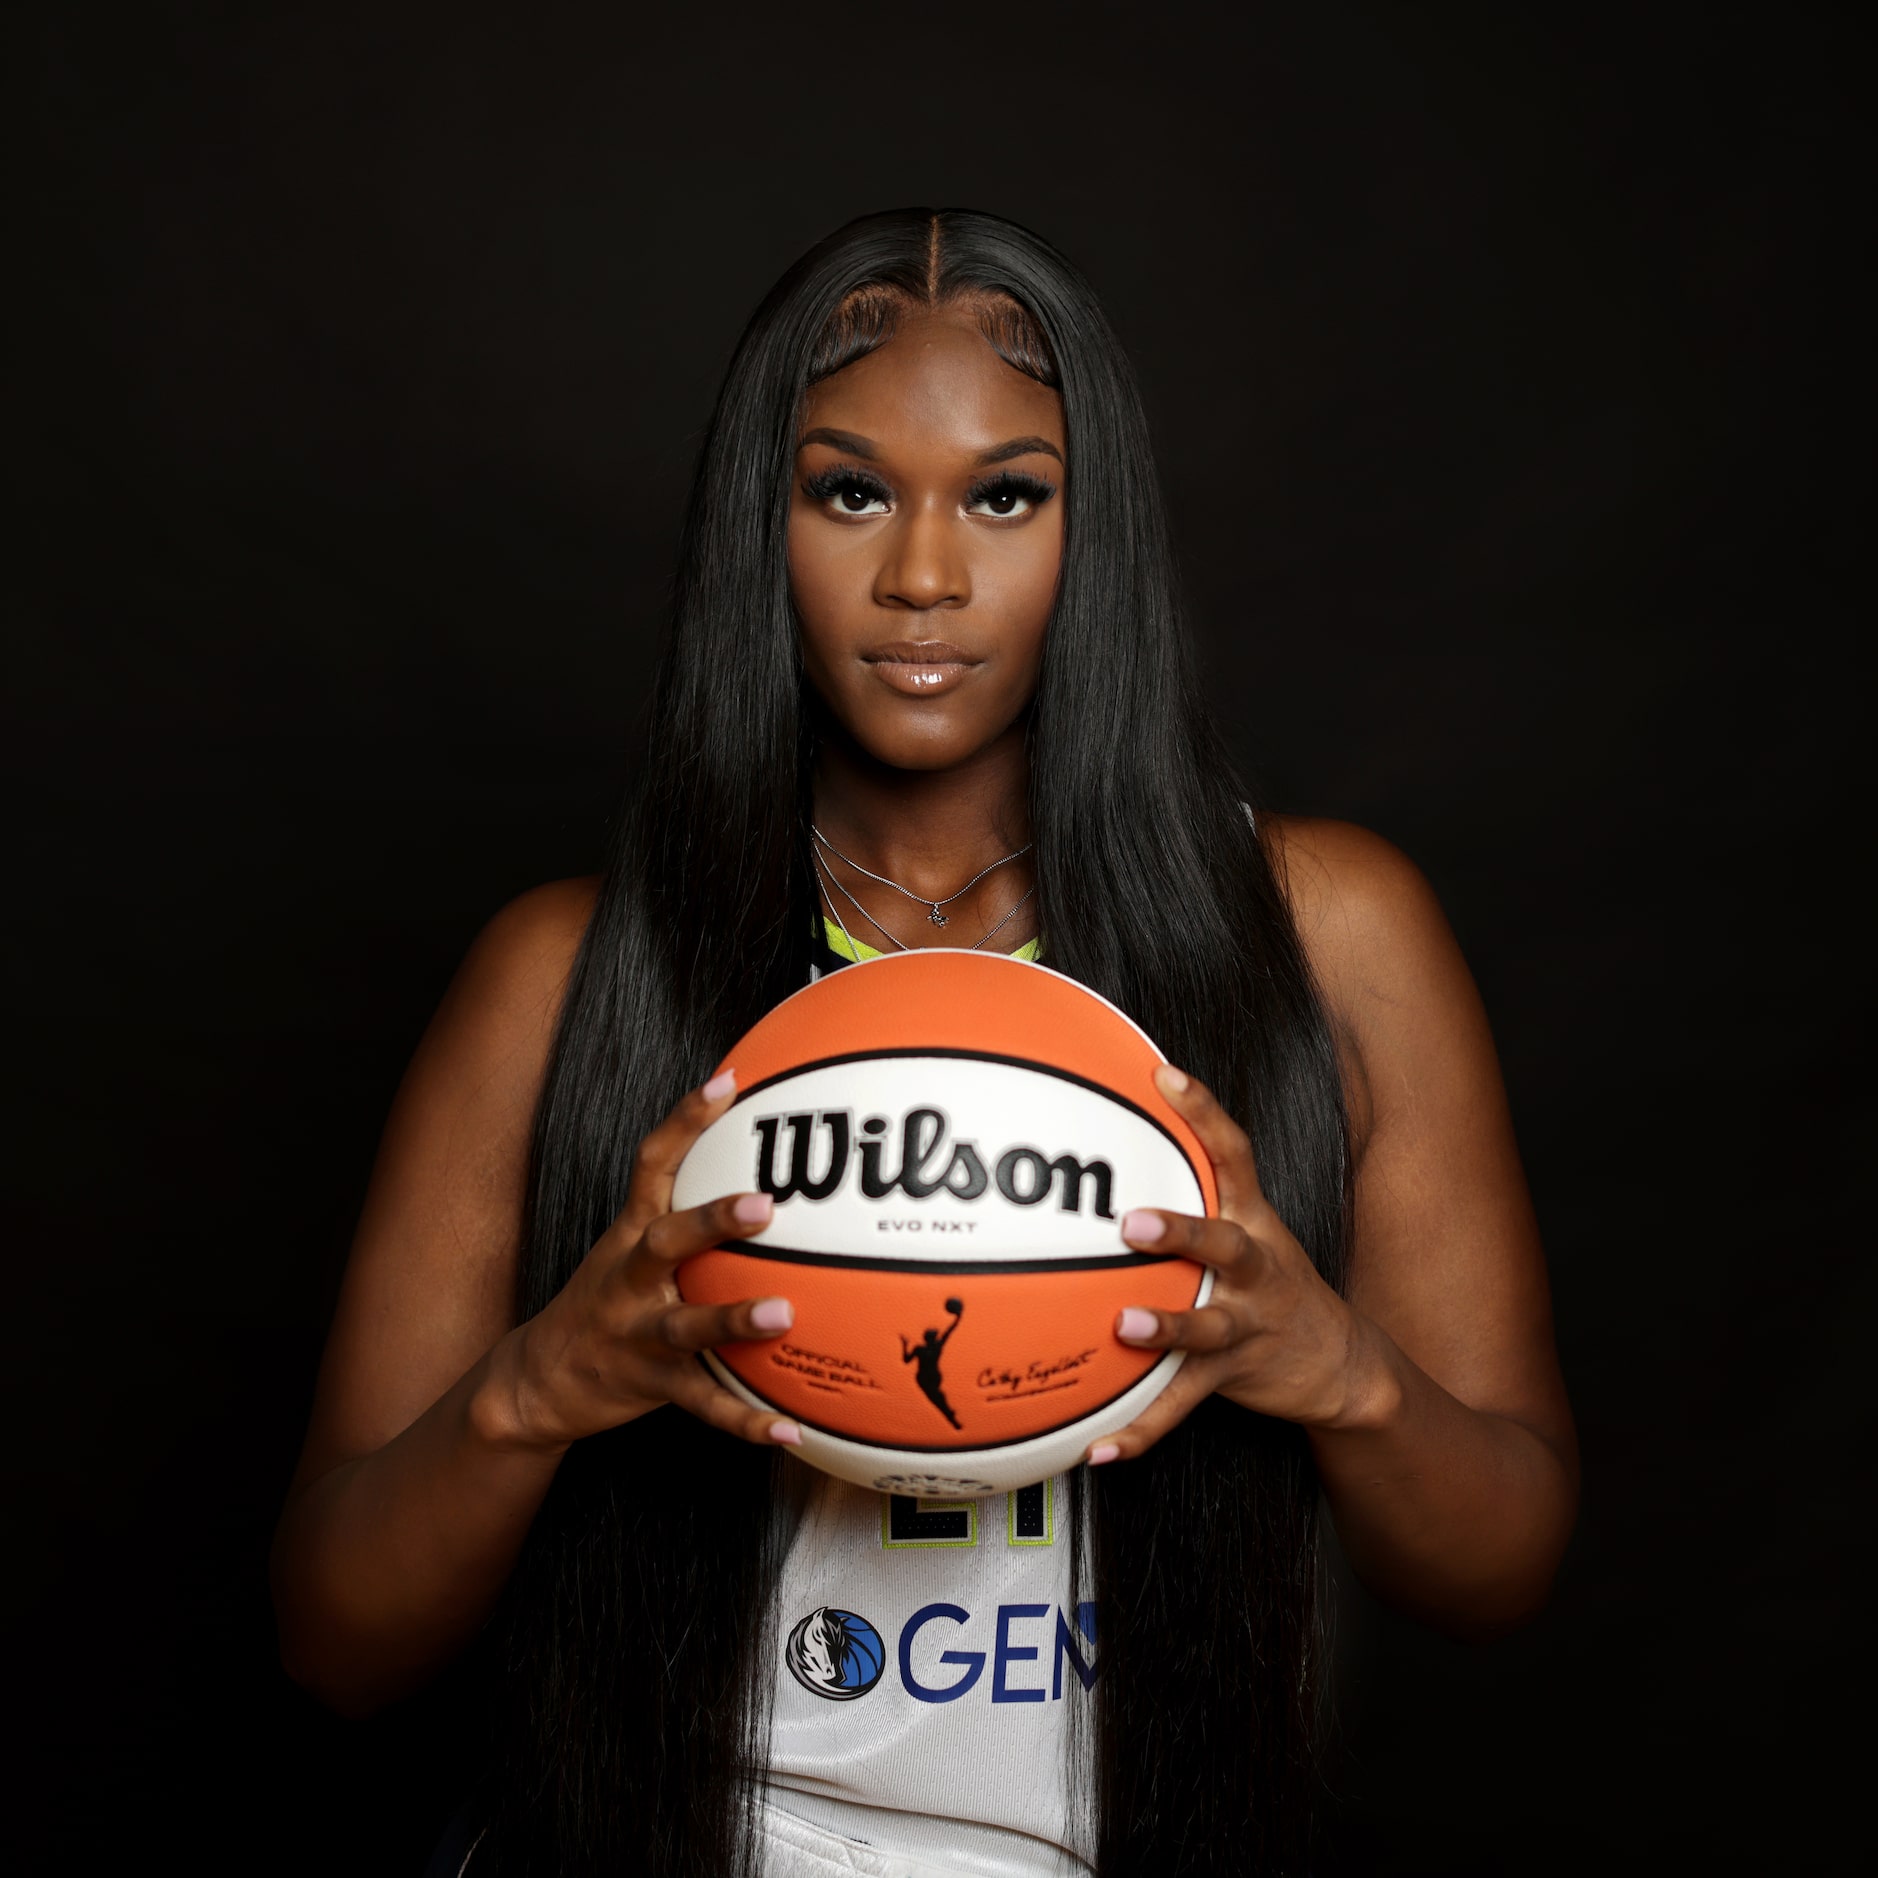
column 1431, row 1394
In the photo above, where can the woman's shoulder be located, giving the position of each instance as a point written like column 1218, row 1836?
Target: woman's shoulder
column 539, row 931
column 507, row 994
column 1350, row 889
column 1383, row 953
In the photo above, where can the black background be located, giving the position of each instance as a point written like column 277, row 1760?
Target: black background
column 1500, row 371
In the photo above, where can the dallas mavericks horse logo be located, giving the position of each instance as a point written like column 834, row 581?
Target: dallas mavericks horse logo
column 835, row 1654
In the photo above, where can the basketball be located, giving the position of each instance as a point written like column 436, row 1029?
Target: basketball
column 951, row 1140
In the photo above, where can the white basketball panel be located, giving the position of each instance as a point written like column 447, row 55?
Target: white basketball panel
column 1003, row 1146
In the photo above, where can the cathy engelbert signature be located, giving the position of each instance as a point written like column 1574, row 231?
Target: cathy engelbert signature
column 996, row 1382
column 1034, row 1378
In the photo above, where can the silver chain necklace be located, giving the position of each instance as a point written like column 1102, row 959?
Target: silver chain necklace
column 919, row 899
column 828, row 873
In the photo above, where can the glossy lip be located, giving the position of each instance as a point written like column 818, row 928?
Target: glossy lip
column 921, row 669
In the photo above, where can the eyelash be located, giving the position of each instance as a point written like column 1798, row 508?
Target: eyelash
column 826, row 485
column 1033, row 489
column 830, row 483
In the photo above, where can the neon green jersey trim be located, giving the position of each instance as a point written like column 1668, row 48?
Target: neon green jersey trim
column 856, row 950
column 968, row 1507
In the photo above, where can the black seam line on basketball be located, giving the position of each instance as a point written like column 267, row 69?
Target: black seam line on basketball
column 710, row 1357
column 966, row 1056
column 1087, row 1262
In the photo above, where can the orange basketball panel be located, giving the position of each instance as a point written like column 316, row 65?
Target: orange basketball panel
column 1029, row 1351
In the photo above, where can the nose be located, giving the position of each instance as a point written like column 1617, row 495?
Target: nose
column 924, row 564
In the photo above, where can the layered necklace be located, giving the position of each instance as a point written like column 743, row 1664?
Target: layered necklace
column 936, row 912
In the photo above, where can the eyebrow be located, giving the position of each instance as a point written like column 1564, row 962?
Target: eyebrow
column 856, row 445
column 1022, row 446
column 841, row 440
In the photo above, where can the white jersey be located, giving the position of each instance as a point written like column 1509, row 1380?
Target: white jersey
column 928, row 1655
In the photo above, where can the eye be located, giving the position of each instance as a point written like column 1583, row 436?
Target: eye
column 849, row 491
column 1010, row 495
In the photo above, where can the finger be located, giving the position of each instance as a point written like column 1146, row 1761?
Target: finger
column 693, row 1390
column 1167, row 1411
column 693, row 1327
column 1211, row 1328
column 673, row 1237
column 649, row 1193
column 1227, row 1145
column 1223, row 1244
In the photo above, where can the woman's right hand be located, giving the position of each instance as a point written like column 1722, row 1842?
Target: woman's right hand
column 617, row 1341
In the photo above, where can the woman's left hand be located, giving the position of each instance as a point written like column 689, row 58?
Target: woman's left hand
column 1273, row 1336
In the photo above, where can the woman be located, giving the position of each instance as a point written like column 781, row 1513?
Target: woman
column 926, row 667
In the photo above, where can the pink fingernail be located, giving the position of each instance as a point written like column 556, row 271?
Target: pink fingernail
column 1143, row 1228
column 1136, row 1324
column 720, row 1085
column 1173, row 1081
column 787, row 1433
column 752, row 1209
column 1103, row 1451
column 772, row 1314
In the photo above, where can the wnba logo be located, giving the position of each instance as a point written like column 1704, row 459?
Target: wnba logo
column 835, row 1654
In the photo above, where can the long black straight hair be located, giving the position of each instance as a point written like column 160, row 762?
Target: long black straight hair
column 636, row 1644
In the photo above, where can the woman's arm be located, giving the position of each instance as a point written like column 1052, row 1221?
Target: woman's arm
column 439, row 1422
column 1452, row 1470
column 1432, row 1396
